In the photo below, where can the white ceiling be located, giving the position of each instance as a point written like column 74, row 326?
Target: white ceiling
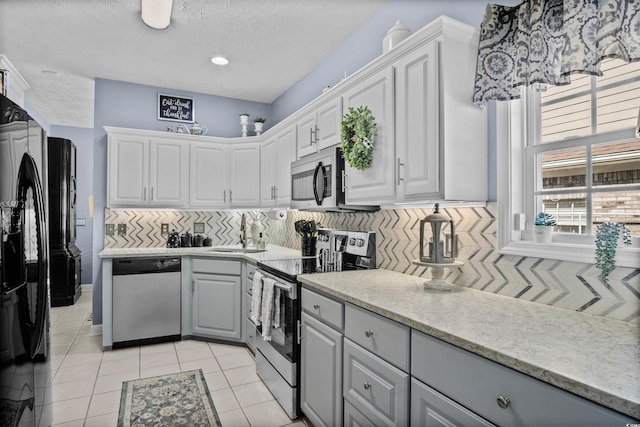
column 271, row 44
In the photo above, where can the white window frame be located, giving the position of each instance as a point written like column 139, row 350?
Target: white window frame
column 516, row 202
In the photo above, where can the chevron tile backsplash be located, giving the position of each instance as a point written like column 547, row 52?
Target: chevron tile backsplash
column 570, row 285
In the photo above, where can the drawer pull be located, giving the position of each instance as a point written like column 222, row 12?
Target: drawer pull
column 503, row 402
column 366, row 386
column 316, row 306
column 368, row 333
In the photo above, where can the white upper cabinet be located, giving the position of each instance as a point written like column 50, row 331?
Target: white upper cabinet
column 417, row 128
column 320, row 128
column 168, row 178
column 209, row 175
column 268, row 158
column 432, row 140
column 276, row 156
column 128, row 170
column 441, row 137
column 244, row 180
column 145, row 171
column 375, row 184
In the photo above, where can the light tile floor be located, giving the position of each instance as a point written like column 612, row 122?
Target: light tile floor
column 87, row 382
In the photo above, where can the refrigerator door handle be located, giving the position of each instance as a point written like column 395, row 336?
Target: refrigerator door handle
column 32, row 331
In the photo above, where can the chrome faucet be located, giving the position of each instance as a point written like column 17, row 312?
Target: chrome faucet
column 243, row 232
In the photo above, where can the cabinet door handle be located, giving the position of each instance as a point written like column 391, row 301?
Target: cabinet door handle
column 317, row 138
column 366, row 386
column 275, row 192
column 368, row 333
column 398, row 169
column 144, row 194
column 230, row 196
column 311, row 138
column 316, row 306
column 193, row 285
column 152, row 194
column 224, row 196
column 344, row 181
column 503, row 402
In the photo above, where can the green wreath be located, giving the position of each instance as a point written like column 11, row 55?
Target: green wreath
column 358, row 133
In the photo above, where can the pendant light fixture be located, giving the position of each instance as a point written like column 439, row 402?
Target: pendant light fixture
column 156, row 13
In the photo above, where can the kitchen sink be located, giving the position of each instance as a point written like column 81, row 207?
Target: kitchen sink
column 237, row 250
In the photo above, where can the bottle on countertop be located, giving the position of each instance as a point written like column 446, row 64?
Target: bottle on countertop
column 261, row 242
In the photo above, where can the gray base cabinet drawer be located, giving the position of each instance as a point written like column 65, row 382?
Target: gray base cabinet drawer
column 217, row 266
column 353, row 418
column 251, row 270
column 325, row 309
column 377, row 389
column 382, row 336
column 430, row 409
column 479, row 384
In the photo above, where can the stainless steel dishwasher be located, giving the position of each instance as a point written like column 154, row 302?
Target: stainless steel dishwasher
column 146, row 300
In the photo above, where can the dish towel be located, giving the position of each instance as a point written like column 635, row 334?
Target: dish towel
column 276, row 307
column 267, row 307
column 256, row 298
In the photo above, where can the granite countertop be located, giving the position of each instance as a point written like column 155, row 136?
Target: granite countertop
column 272, row 252
column 590, row 356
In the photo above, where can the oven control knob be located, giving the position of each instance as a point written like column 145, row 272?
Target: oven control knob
column 352, row 241
column 360, row 243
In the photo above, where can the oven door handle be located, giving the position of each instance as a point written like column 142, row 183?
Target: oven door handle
column 284, row 286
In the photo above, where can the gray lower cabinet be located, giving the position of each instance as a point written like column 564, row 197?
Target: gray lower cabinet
column 500, row 394
column 377, row 389
column 250, row 332
column 321, row 372
column 432, row 409
column 217, row 307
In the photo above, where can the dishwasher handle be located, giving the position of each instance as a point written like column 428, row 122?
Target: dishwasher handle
column 126, row 266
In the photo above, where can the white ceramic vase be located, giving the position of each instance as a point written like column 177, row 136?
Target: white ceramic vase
column 542, row 233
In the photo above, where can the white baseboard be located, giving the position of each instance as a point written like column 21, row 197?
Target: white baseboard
column 86, row 287
column 95, row 330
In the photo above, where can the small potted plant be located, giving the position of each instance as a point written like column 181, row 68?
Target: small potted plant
column 258, row 123
column 543, row 230
column 244, row 118
column 607, row 236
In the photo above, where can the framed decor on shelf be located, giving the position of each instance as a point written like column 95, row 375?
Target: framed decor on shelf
column 176, row 108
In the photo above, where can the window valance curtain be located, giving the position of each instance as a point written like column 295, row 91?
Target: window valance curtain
column 542, row 42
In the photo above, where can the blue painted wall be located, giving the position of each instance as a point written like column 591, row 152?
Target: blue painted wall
column 83, row 139
column 365, row 45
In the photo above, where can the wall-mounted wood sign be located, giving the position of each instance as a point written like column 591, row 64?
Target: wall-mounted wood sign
column 176, row 108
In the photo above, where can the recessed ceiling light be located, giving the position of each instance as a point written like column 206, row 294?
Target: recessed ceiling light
column 50, row 72
column 219, row 60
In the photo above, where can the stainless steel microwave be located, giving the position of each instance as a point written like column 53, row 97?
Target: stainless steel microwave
column 317, row 183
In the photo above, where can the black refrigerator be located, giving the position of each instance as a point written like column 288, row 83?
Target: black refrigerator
column 25, row 366
column 64, row 255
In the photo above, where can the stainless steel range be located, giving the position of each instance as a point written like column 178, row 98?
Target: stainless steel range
column 278, row 356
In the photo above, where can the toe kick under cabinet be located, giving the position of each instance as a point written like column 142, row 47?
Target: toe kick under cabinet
column 394, row 375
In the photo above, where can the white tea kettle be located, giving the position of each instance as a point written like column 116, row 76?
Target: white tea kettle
column 196, row 129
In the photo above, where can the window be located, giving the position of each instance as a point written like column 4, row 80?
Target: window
column 571, row 151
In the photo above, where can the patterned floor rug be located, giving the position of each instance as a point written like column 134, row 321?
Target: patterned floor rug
column 180, row 399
